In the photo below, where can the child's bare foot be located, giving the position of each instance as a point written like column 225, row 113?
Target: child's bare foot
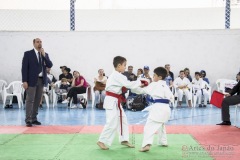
column 145, row 149
column 126, row 143
column 102, row 146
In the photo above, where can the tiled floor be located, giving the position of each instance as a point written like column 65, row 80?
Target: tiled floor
column 61, row 115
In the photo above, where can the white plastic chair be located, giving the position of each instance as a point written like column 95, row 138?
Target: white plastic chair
column 2, row 84
column 93, row 96
column 54, row 94
column 222, row 83
column 16, row 87
column 46, row 89
column 191, row 97
column 84, row 95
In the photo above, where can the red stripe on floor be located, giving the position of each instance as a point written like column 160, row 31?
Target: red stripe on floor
column 54, row 130
column 12, row 129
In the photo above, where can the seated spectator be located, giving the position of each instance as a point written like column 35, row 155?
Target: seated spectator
column 231, row 99
column 203, row 74
column 187, row 74
column 182, row 85
column 139, row 72
column 62, row 69
column 129, row 74
column 51, row 81
column 63, row 88
column 66, row 74
column 99, row 88
column 79, row 86
column 200, row 89
column 169, row 80
column 146, row 73
column 167, row 67
column 51, row 78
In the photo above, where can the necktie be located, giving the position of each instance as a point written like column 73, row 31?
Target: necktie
column 39, row 62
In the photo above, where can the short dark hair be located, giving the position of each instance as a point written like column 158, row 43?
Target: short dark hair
column 181, row 71
column 34, row 40
column 118, row 60
column 161, row 71
column 197, row 73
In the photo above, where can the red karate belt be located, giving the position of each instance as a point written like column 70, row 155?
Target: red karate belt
column 217, row 98
column 120, row 99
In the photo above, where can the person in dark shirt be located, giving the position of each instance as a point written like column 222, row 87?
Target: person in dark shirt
column 167, row 67
column 231, row 99
column 62, row 69
column 66, row 74
column 187, row 74
column 203, row 74
column 129, row 74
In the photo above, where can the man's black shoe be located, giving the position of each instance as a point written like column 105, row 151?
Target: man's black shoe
column 28, row 124
column 200, row 106
column 204, row 105
column 227, row 123
column 36, row 123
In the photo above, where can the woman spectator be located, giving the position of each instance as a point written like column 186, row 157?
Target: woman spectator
column 187, row 74
column 79, row 86
column 169, row 80
column 99, row 88
column 203, row 75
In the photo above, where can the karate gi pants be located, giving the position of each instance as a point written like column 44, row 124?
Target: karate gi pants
column 150, row 128
column 113, row 125
column 201, row 93
column 180, row 93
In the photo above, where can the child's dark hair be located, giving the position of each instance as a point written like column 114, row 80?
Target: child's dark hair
column 161, row 71
column 181, row 71
column 197, row 73
column 118, row 60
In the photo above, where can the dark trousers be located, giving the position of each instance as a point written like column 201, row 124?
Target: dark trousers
column 34, row 95
column 72, row 93
column 228, row 101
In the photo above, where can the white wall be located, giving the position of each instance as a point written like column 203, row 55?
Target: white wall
column 118, row 20
column 216, row 51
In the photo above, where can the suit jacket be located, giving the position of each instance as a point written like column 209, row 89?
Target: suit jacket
column 236, row 89
column 30, row 68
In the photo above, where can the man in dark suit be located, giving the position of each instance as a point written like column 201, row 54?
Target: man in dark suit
column 230, row 99
column 34, row 77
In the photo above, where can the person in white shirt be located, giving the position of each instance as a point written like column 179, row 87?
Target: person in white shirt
column 159, row 111
column 200, row 89
column 183, row 85
column 146, row 73
column 116, row 120
column 99, row 89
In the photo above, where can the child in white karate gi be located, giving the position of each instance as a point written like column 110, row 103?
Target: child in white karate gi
column 199, row 88
column 183, row 85
column 116, row 120
column 159, row 111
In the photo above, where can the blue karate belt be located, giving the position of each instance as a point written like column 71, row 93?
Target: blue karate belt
column 150, row 99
